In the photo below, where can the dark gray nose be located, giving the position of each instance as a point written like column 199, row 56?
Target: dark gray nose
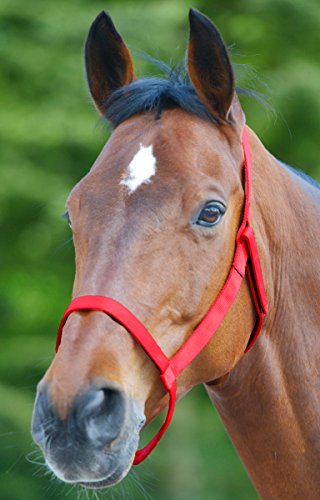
column 94, row 421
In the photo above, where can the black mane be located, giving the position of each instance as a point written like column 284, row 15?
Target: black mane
column 156, row 94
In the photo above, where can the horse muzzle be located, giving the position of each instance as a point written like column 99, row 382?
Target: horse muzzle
column 94, row 445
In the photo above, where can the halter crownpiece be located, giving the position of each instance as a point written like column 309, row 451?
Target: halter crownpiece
column 246, row 262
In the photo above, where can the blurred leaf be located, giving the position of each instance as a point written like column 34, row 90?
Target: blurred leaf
column 50, row 135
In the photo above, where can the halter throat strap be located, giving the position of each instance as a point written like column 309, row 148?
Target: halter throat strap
column 246, row 262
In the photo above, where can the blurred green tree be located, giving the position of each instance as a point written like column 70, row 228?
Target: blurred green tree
column 50, row 136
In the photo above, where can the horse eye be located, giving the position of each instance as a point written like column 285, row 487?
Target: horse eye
column 211, row 214
column 66, row 215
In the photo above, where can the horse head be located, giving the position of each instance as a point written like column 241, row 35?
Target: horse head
column 154, row 225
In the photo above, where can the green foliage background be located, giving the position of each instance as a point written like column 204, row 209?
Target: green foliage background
column 50, row 136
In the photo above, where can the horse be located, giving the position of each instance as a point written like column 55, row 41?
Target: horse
column 155, row 224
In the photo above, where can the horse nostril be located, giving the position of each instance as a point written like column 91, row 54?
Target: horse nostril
column 101, row 414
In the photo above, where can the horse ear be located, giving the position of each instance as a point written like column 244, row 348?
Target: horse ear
column 108, row 61
column 209, row 65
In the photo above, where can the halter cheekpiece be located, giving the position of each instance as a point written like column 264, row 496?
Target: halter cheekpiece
column 246, row 262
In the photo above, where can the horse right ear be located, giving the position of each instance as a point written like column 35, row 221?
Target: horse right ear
column 209, row 65
column 108, row 61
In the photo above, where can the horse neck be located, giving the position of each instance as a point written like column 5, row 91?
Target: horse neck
column 270, row 402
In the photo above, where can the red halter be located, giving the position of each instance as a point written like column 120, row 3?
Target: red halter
column 246, row 262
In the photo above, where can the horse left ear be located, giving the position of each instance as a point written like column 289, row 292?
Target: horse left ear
column 108, row 61
column 209, row 67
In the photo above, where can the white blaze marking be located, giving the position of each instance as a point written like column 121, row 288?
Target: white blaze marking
column 141, row 168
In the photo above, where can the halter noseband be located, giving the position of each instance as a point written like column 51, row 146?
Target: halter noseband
column 246, row 262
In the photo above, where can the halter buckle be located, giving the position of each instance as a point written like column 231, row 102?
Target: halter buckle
column 168, row 378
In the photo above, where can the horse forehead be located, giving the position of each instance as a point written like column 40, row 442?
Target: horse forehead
column 142, row 150
column 141, row 168
column 175, row 142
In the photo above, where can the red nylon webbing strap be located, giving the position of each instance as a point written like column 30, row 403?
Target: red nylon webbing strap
column 211, row 322
column 246, row 262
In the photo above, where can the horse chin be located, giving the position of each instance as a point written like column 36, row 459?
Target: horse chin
column 109, row 481
column 111, row 470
